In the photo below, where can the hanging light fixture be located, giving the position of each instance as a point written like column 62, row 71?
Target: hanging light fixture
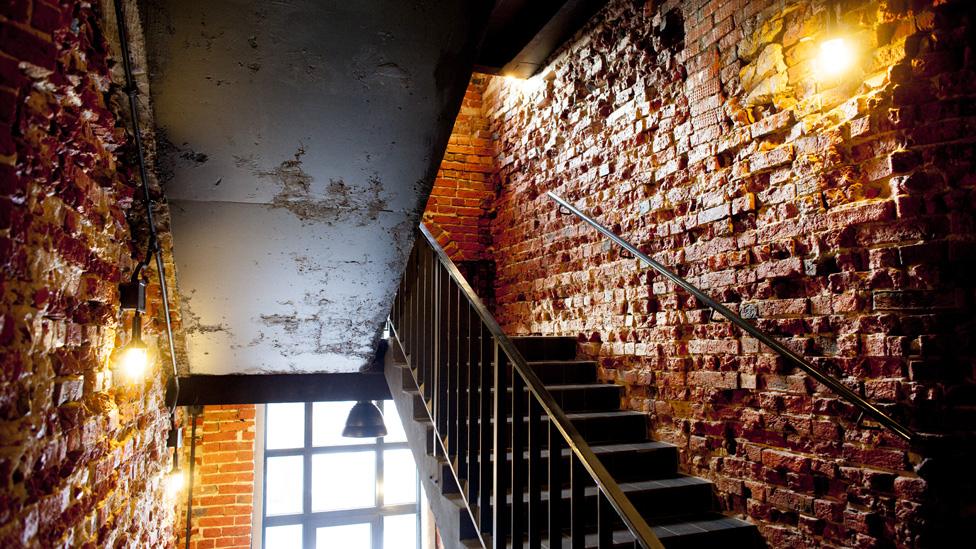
column 365, row 421
column 134, row 356
column 837, row 53
column 175, row 479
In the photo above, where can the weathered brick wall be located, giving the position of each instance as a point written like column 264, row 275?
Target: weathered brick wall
column 836, row 214
column 82, row 452
column 463, row 190
column 223, row 489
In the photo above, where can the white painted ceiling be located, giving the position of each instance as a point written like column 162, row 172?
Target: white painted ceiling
column 298, row 142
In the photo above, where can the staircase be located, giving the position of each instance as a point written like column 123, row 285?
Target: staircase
column 679, row 508
column 614, row 486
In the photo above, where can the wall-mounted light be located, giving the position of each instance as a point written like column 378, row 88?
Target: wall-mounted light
column 134, row 358
column 837, row 53
column 175, row 480
column 365, row 421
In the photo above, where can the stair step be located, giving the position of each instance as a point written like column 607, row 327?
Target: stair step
column 561, row 372
column 626, row 462
column 676, row 496
column 616, row 426
column 546, row 347
column 696, row 532
column 585, row 397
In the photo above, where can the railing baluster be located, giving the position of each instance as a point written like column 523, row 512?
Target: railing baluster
column 446, row 362
column 577, row 501
column 555, row 488
column 462, row 414
column 441, row 381
column 537, row 519
column 500, row 516
column 604, row 521
column 519, row 479
column 485, row 432
column 474, row 405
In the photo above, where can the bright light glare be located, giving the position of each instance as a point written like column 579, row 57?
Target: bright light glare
column 174, row 483
column 134, row 360
column 836, row 57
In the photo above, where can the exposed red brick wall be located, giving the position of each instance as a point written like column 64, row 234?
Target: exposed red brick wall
column 463, row 191
column 223, row 489
column 838, row 215
column 82, row 453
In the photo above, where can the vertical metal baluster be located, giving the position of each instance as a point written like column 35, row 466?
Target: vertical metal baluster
column 578, row 478
column 485, row 431
column 604, row 521
column 502, row 474
column 474, row 404
column 519, row 436
column 443, row 338
column 446, row 361
column 537, row 519
column 463, row 365
column 555, row 487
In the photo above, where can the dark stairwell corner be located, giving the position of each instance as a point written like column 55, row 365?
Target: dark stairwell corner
column 405, row 275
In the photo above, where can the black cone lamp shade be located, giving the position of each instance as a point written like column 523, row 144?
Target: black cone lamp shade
column 365, row 421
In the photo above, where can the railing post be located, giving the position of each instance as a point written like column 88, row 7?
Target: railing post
column 577, row 500
column 555, row 487
column 500, row 516
column 462, row 415
column 537, row 520
column 519, row 436
column 485, row 431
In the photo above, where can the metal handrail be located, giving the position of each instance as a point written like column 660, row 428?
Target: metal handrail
column 822, row 377
column 578, row 446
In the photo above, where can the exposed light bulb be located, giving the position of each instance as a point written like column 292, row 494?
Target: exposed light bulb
column 134, row 360
column 174, row 481
column 836, row 57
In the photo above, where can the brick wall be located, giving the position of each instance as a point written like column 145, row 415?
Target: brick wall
column 223, row 489
column 834, row 213
column 463, row 190
column 82, row 453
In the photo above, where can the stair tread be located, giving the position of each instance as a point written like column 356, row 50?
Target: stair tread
column 669, row 530
column 631, row 487
column 607, row 449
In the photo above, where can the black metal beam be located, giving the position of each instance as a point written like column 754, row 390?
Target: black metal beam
column 266, row 388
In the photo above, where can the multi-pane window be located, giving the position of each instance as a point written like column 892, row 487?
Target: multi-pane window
column 325, row 491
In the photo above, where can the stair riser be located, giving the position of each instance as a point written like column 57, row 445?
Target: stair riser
column 546, row 348
column 629, row 466
column 684, row 500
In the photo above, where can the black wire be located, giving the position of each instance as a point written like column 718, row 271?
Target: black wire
column 153, row 248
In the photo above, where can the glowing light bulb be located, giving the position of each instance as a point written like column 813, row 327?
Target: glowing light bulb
column 835, row 58
column 134, row 360
column 174, row 483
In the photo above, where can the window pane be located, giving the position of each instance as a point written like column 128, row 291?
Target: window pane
column 350, row 536
column 343, row 481
column 400, row 531
column 283, row 537
column 399, row 477
column 285, row 425
column 394, row 426
column 328, row 420
column 284, row 487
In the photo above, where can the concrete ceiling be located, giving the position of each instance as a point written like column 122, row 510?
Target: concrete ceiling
column 298, row 141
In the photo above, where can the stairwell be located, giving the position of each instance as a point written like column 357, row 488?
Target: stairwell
column 453, row 374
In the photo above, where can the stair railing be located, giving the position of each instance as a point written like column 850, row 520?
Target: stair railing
column 864, row 406
column 470, row 376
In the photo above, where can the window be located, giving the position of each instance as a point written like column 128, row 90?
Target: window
column 325, row 491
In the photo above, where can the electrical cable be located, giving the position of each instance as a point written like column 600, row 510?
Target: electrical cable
column 153, row 247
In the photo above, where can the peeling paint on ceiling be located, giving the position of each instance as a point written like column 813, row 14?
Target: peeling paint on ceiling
column 298, row 142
